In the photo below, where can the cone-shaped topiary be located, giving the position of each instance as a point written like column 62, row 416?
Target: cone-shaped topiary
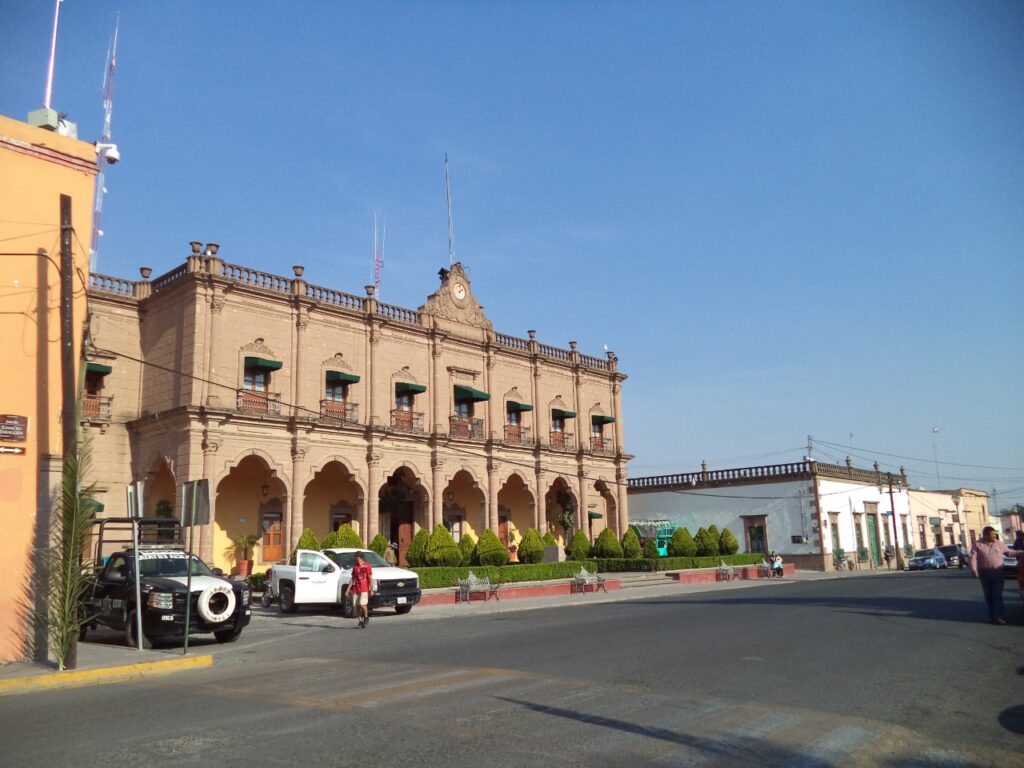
column 379, row 544
column 442, row 551
column 467, row 546
column 549, row 540
column 682, row 544
column 607, row 545
column 531, row 548
column 707, row 546
column 714, row 537
column 727, row 544
column 307, row 540
column 651, row 548
column 490, row 550
column 631, row 548
column 579, row 547
column 416, row 555
column 343, row 537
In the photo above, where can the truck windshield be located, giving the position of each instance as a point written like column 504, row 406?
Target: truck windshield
column 171, row 564
column 348, row 559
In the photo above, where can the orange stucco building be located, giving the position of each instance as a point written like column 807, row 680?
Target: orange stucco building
column 37, row 166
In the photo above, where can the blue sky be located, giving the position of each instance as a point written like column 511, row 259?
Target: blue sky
column 786, row 218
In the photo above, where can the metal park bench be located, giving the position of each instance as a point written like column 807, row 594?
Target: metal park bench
column 725, row 572
column 585, row 578
column 474, row 584
column 764, row 570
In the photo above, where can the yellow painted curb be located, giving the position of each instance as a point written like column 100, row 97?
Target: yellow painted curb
column 101, row 676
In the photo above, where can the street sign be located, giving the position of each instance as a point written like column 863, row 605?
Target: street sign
column 13, row 429
column 195, row 503
column 16, row 450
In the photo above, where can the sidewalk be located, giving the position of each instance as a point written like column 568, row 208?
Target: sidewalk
column 100, row 662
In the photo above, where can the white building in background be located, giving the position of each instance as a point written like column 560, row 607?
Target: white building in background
column 806, row 511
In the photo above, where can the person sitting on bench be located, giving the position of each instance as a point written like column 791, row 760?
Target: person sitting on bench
column 776, row 564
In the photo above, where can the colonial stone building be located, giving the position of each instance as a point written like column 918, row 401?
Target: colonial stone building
column 305, row 406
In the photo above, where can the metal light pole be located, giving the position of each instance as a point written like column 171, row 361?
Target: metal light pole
column 895, row 534
column 957, row 498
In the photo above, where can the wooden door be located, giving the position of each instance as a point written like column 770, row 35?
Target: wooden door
column 402, row 527
column 272, row 532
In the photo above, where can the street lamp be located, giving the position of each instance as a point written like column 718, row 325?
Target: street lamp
column 892, row 507
column 957, row 498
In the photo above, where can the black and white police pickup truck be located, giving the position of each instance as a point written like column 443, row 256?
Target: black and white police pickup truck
column 218, row 605
column 320, row 578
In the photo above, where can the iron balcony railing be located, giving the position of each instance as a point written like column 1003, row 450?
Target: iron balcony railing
column 252, row 401
column 339, row 411
column 562, row 441
column 601, row 446
column 95, row 407
column 472, row 428
column 406, row 421
column 517, row 435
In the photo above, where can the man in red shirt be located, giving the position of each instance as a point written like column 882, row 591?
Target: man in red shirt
column 987, row 565
column 360, row 587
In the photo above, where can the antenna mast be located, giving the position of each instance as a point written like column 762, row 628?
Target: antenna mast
column 378, row 254
column 451, row 231
column 108, row 108
column 53, row 56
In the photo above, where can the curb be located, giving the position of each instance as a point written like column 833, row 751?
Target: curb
column 101, row 676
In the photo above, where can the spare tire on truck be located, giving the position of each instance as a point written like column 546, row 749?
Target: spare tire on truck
column 216, row 603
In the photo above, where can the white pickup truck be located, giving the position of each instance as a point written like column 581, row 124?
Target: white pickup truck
column 319, row 578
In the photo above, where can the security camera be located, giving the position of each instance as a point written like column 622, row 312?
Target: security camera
column 109, row 151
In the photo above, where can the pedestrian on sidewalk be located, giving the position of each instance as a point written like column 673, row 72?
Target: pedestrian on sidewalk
column 987, row 566
column 888, row 559
column 359, row 586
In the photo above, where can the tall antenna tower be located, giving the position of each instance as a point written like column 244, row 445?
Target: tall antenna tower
column 451, row 230
column 108, row 109
column 53, row 56
column 378, row 254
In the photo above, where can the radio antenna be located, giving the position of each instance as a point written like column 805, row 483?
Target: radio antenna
column 108, row 109
column 53, row 56
column 451, row 230
column 378, row 254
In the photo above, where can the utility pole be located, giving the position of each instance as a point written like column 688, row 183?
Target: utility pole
column 892, row 508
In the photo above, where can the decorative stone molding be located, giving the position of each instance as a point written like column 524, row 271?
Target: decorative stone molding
column 463, row 374
column 558, row 403
column 259, row 347
column 337, row 362
column 298, row 454
column 217, row 304
column 405, row 374
column 458, row 306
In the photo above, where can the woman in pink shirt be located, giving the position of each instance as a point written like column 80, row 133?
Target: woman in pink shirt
column 987, row 566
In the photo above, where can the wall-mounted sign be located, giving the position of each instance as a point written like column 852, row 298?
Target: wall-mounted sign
column 13, row 429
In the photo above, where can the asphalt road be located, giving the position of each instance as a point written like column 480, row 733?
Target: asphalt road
column 894, row 670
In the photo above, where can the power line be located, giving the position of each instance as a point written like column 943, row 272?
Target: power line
column 915, row 458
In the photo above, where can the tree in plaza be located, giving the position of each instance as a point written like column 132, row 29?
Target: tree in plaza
column 707, row 546
column 631, row 548
column 442, row 549
column 490, row 550
column 379, row 544
column 651, row 548
column 345, row 536
column 727, row 544
column 549, row 540
column 682, row 544
column 579, row 547
column 467, row 545
column 307, row 540
column 531, row 548
column 416, row 555
column 607, row 545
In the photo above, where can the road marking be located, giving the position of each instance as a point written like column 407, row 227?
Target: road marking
column 833, row 748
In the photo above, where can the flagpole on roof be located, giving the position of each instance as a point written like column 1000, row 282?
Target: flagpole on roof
column 53, row 56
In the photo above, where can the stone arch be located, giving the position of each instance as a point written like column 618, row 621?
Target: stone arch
column 404, row 506
column 160, row 486
column 249, row 499
column 559, row 496
column 276, row 470
column 517, row 508
column 359, row 481
column 464, row 504
column 607, row 507
column 333, row 496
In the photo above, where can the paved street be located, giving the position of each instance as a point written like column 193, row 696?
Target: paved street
column 890, row 670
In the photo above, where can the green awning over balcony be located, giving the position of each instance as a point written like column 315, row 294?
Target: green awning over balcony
column 602, row 419
column 512, row 405
column 262, row 362
column 558, row 413
column 98, row 368
column 403, row 387
column 595, row 515
column 468, row 393
column 349, row 378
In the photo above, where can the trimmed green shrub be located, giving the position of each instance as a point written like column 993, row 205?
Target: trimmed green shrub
column 682, row 544
column 379, row 544
column 531, row 548
column 343, row 537
column 467, row 546
column 417, row 552
column 549, row 540
column 675, row 563
column 651, row 549
column 631, row 548
column 706, row 545
column 714, row 533
column 579, row 547
column 307, row 540
column 490, row 550
column 257, row 581
column 607, row 545
column 728, row 545
column 442, row 550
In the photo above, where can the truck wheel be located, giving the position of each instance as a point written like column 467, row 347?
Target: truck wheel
column 402, row 609
column 266, row 599
column 129, row 634
column 227, row 635
column 348, row 607
column 288, row 600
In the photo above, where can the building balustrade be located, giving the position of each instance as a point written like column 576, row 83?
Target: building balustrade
column 517, row 435
column 95, row 407
column 340, row 411
column 252, row 401
column 562, row 441
column 406, row 421
column 459, row 427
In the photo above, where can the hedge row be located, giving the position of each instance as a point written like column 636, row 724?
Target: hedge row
column 432, row 578
column 615, row 565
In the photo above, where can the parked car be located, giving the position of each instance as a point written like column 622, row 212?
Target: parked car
column 927, row 558
column 956, row 556
column 1010, row 566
